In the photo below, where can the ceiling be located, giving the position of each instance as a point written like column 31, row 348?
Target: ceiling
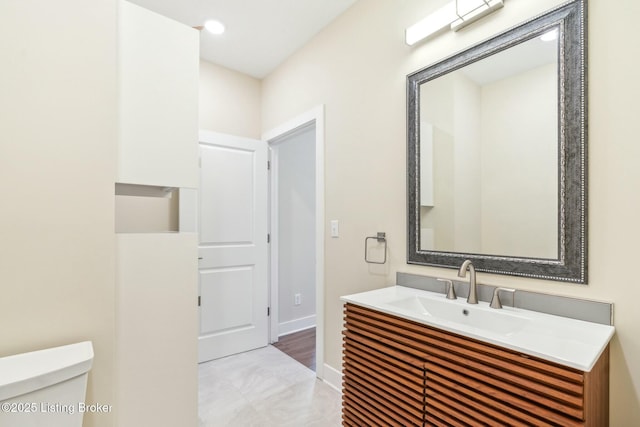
column 517, row 59
column 260, row 34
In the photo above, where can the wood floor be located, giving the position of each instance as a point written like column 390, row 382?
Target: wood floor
column 301, row 346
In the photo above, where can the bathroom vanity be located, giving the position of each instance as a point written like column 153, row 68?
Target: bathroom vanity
column 412, row 357
column 416, row 357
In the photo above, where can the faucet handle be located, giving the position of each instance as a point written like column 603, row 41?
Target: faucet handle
column 449, row 290
column 495, row 301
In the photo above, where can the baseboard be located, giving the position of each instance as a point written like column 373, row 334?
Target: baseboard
column 332, row 377
column 296, row 325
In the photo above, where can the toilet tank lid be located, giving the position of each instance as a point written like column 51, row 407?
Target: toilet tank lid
column 27, row 372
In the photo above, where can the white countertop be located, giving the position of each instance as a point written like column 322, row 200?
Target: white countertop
column 569, row 342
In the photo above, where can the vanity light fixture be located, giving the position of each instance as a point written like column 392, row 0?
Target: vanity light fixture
column 454, row 15
column 474, row 10
column 433, row 23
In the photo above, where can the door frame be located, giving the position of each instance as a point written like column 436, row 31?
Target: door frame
column 313, row 116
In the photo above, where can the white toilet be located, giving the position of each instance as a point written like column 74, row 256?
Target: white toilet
column 46, row 387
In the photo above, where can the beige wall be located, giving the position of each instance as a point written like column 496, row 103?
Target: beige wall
column 135, row 214
column 357, row 68
column 519, row 214
column 57, row 166
column 229, row 101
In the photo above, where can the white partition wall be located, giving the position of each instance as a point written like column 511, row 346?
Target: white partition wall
column 156, row 324
column 157, row 177
column 158, row 61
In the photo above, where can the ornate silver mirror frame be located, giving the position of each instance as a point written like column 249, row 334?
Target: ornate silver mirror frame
column 571, row 263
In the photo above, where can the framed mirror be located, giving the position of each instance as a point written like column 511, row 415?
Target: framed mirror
column 497, row 153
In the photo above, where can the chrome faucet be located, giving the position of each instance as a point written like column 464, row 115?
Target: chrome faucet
column 473, row 289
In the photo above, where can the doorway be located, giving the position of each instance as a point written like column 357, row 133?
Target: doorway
column 293, row 196
column 297, row 229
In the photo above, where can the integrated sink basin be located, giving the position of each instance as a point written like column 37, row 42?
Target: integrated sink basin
column 459, row 312
column 569, row 342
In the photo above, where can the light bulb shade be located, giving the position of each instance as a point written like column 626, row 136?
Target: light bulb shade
column 431, row 24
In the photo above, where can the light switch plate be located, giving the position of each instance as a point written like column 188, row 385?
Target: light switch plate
column 335, row 228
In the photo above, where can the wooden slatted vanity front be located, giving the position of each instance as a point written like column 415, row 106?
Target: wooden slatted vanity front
column 397, row 372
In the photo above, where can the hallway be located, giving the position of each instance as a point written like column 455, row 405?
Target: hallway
column 301, row 346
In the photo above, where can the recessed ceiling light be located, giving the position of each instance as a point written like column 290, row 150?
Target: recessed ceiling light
column 214, row 27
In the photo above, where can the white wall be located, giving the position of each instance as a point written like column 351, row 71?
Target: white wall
column 357, row 67
column 296, row 230
column 477, row 210
column 157, row 328
column 519, row 214
column 467, row 167
column 456, row 217
column 229, row 101
column 158, row 61
column 440, row 219
column 57, row 166
column 156, row 273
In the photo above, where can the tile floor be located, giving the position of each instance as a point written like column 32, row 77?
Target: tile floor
column 264, row 388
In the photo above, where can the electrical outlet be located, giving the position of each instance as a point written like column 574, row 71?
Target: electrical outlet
column 297, row 299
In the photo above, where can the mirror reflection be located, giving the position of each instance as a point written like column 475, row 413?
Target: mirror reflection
column 489, row 155
column 497, row 153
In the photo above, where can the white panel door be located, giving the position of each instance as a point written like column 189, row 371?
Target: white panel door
column 233, row 248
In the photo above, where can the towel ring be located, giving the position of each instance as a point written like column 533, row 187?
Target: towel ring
column 381, row 238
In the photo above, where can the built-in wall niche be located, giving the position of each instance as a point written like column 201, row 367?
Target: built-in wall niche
column 146, row 209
